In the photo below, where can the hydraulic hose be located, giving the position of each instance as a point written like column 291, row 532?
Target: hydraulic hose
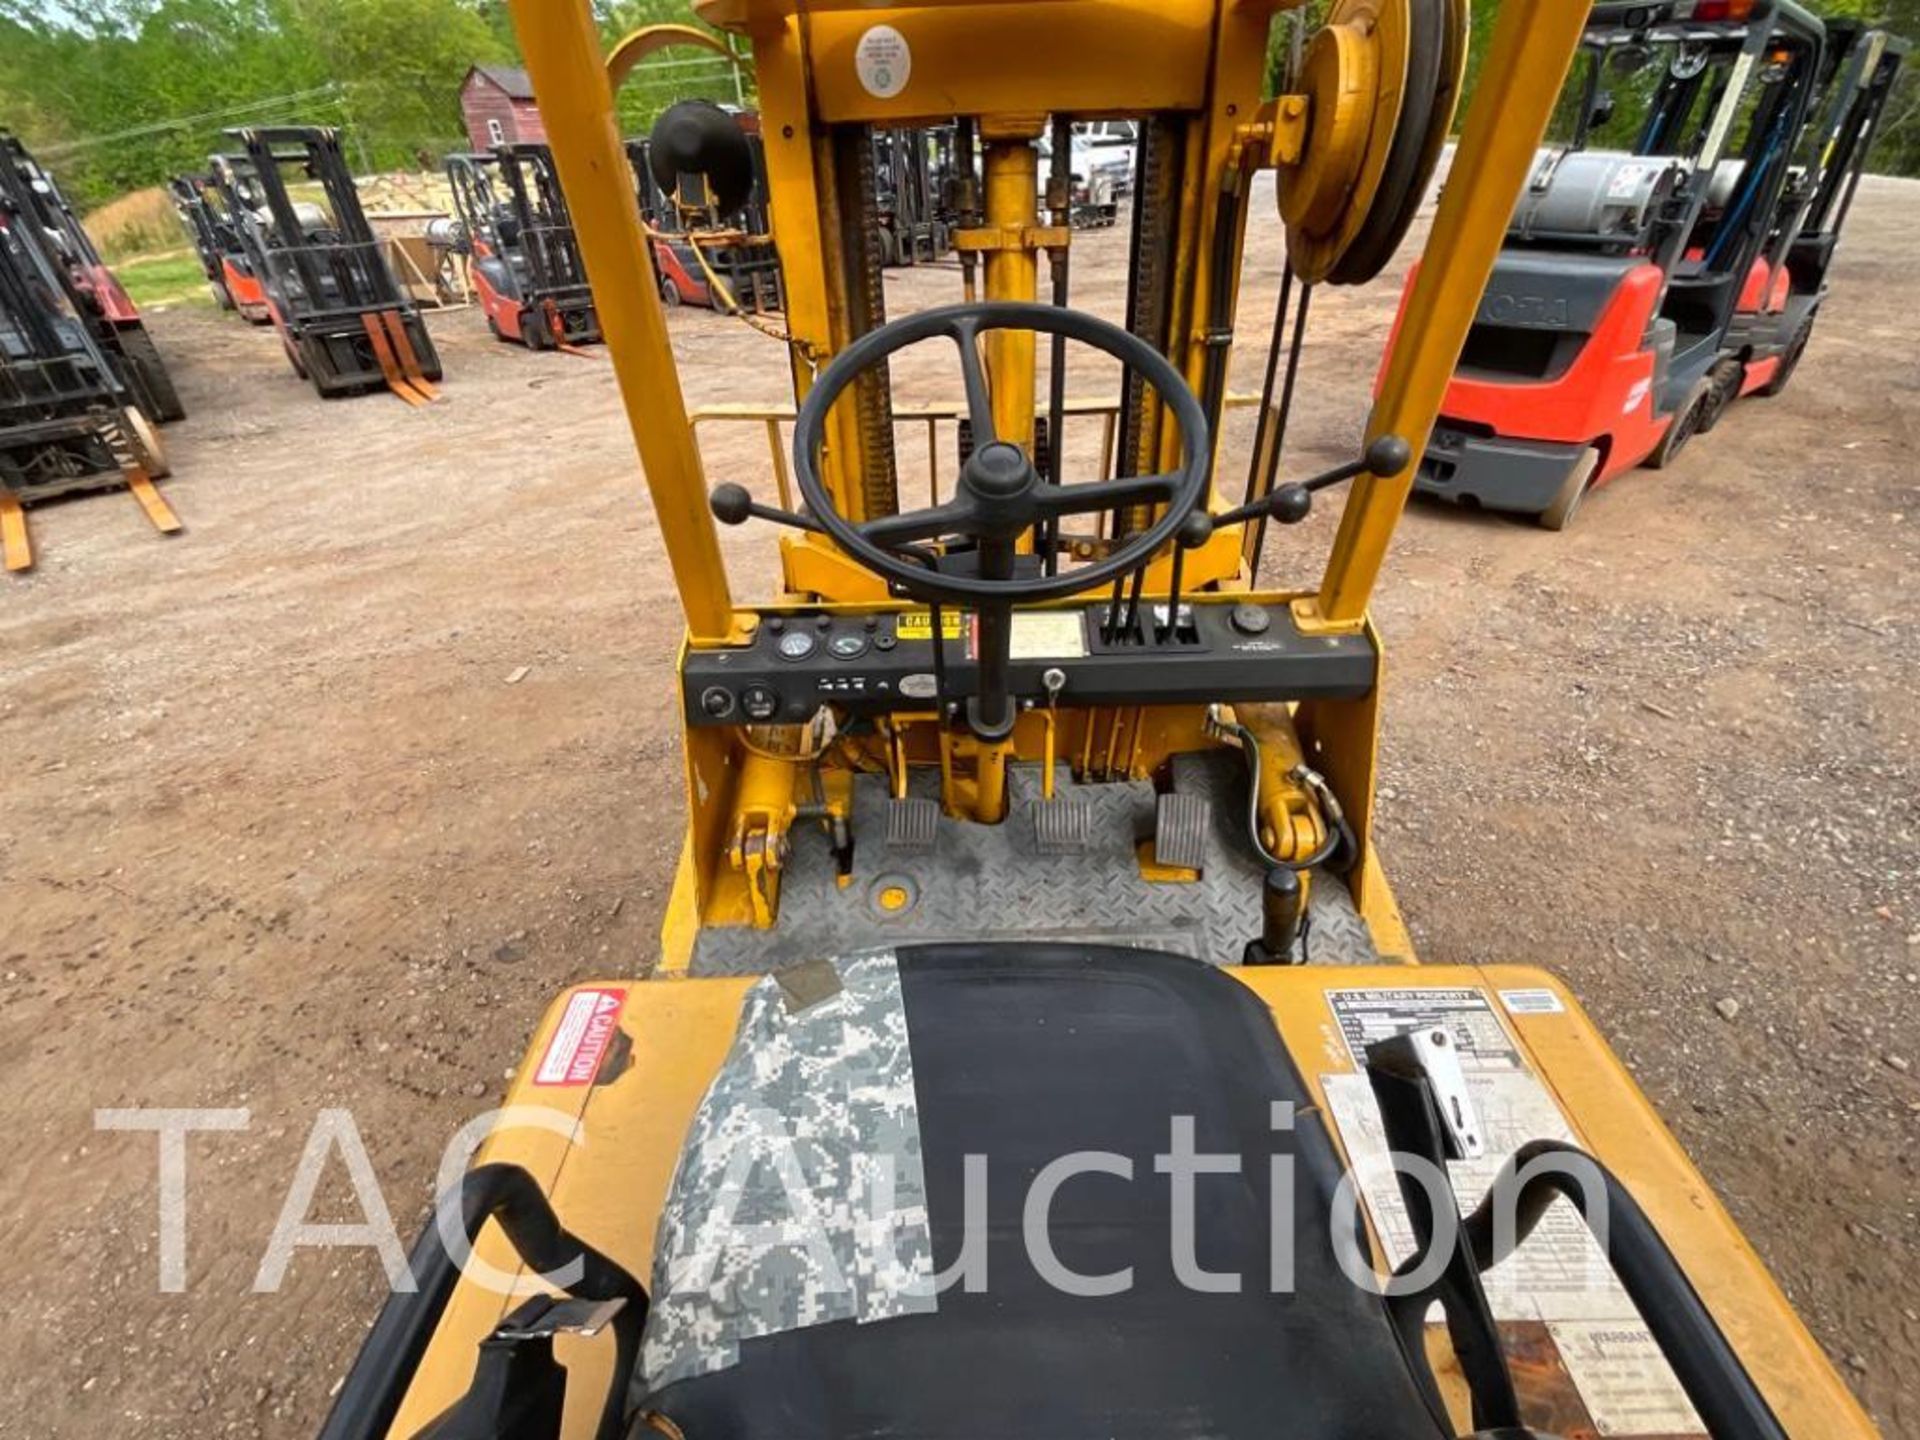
column 1340, row 839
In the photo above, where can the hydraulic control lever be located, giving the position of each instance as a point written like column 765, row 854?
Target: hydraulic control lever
column 732, row 505
column 1282, row 911
column 1293, row 502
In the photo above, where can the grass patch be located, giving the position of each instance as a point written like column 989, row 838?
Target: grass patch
column 165, row 279
column 141, row 223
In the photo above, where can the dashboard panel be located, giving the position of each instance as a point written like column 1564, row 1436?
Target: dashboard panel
column 1226, row 650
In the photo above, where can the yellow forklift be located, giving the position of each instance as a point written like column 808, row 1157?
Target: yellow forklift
column 1035, row 1047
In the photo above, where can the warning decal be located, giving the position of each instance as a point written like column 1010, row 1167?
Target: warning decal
column 1479, row 1038
column 1559, row 1277
column 918, row 625
column 580, row 1040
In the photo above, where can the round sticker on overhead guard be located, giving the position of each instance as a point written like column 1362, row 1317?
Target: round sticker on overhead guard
column 883, row 61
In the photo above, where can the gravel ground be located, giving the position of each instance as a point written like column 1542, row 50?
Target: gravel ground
column 318, row 803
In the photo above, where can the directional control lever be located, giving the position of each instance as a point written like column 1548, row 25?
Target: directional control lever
column 1293, row 502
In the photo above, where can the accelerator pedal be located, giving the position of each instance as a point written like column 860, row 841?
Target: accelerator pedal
column 1062, row 825
column 912, row 824
column 1181, row 824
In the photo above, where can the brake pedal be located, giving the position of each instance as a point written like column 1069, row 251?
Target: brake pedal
column 1062, row 826
column 912, row 823
column 1181, row 822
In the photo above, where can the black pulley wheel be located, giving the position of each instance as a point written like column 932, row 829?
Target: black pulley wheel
column 1433, row 52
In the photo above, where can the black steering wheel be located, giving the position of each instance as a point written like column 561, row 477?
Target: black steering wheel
column 1001, row 495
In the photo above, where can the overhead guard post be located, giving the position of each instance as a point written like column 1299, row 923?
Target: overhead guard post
column 1512, row 102
column 562, row 50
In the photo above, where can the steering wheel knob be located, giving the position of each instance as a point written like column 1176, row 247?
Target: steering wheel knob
column 998, row 470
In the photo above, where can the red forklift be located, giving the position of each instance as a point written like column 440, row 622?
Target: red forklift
column 521, row 253
column 1609, row 334
column 211, row 207
column 68, row 421
column 711, row 231
column 93, row 291
column 344, row 321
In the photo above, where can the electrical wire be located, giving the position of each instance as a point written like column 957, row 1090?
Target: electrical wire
column 333, row 92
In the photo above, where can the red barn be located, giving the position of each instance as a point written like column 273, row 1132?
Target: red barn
column 496, row 101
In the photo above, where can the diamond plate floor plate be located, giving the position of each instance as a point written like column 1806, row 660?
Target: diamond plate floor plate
column 985, row 882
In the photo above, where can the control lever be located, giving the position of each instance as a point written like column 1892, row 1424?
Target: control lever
column 1281, row 911
column 1293, row 502
column 732, row 505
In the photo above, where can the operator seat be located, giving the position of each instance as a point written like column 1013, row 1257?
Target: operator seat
column 1025, row 1053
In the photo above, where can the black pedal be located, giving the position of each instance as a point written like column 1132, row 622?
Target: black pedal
column 912, row 823
column 1181, row 822
column 1062, row 826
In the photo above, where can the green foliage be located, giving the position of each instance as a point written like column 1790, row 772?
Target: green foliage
column 165, row 280
column 142, row 88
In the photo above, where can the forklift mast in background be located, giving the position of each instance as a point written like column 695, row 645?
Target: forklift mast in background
column 67, row 419
column 1614, row 327
column 92, row 289
column 345, row 322
column 211, row 205
column 521, row 253
column 913, row 185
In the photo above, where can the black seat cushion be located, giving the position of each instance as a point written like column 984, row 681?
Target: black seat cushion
column 1026, row 1053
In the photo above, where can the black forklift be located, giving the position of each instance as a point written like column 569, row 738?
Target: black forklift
column 68, row 419
column 1605, row 337
column 194, row 199
column 92, row 289
column 913, row 173
column 522, row 257
column 346, row 324
column 708, row 249
column 1775, row 316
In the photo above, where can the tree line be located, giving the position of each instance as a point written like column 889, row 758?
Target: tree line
column 119, row 94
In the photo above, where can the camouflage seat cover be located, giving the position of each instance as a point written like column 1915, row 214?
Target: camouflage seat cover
column 844, row 1251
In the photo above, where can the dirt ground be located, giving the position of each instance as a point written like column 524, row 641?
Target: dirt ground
column 318, row 803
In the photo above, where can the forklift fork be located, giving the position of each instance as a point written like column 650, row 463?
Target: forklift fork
column 398, row 363
column 557, row 327
column 151, row 501
column 16, row 540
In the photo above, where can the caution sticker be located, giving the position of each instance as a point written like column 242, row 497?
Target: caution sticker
column 1559, row 1278
column 918, row 625
column 587, row 1027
